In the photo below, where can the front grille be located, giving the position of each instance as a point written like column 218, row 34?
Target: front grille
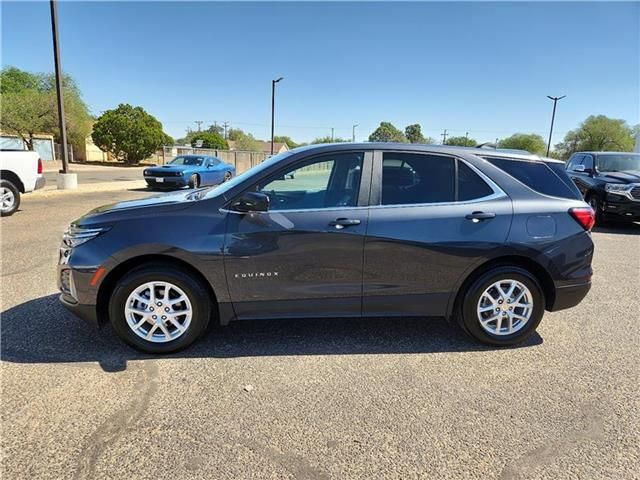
column 635, row 192
column 163, row 174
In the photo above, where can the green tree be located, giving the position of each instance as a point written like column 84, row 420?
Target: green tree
column 29, row 107
column 244, row 141
column 531, row 142
column 414, row 134
column 207, row 139
column 386, row 132
column 285, row 139
column 598, row 133
column 461, row 141
column 129, row 133
column 328, row 139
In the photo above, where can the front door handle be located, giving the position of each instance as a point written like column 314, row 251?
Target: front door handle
column 476, row 217
column 340, row 223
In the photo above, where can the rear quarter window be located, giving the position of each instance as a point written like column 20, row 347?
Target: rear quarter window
column 545, row 178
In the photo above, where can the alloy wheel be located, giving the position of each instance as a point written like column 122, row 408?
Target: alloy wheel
column 505, row 307
column 158, row 312
column 7, row 199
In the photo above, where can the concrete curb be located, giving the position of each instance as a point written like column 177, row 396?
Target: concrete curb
column 51, row 190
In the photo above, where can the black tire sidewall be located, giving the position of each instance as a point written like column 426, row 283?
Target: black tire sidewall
column 469, row 316
column 193, row 181
column 597, row 209
column 198, row 296
column 16, row 196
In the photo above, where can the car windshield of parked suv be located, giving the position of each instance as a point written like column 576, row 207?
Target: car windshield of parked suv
column 620, row 162
column 195, row 161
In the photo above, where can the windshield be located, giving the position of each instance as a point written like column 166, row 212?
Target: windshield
column 226, row 186
column 619, row 162
column 187, row 161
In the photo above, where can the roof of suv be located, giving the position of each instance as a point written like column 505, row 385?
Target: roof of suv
column 450, row 149
column 595, row 152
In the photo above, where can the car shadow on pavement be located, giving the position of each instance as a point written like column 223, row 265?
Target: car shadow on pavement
column 42, row 331
column 620, row 228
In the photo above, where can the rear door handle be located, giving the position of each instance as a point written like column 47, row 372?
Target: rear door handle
column 476, row 217
column 340, row 223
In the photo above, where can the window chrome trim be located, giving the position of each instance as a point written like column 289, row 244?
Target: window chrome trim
column 497, row 194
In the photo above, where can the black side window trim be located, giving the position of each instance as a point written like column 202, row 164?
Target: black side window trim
column 375, row 198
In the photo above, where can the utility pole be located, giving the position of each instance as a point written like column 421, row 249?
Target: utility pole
column 444, row 136
column 273, row 108
column 59, row 93
column 466, row 136
column 553, row 117
column 332, row 134
column 226, row 126
column 353, row 133
column 198, row 122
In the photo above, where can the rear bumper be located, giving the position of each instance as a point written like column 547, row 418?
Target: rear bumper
column 40, row 182
column 569, row 296
column 88, row 313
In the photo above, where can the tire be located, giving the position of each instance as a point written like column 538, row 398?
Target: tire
column 227, row 177
column 595, row 203
column 9, row 198
column 194, row 181
column 181, row 283
column 468, row 309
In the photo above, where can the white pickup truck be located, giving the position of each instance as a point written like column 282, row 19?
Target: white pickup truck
column 20, row 172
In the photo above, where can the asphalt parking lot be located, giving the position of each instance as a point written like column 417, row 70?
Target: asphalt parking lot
column 317, row 399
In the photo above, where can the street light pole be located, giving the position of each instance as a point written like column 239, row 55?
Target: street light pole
column 56, row 59
column 553, row 117
column 353, row 133
column 273, row 108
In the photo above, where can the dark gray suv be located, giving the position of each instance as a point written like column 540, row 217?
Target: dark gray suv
column 491, row 239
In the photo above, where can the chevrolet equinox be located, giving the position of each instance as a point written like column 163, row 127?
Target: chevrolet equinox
column 487, row 238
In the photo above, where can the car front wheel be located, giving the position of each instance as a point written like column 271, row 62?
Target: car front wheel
column 9, row 198
column 194, row 181
column 504, row 306
column 158, row 309
column 227, row 176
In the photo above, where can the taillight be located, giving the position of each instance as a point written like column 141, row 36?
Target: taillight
column 585, row 216
column 39, row 165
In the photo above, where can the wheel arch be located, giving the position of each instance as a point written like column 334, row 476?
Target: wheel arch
column 110, row 280
column 13, row 178
column 538, row 271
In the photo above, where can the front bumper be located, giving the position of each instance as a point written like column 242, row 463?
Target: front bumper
column 88, row 313
column 569, row 296
column 166, row 182
column 618, row 207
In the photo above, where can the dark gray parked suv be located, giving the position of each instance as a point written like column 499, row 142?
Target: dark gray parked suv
column 491, row 239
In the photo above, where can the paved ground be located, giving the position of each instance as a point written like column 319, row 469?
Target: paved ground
column 98, row 174
column 330, row 399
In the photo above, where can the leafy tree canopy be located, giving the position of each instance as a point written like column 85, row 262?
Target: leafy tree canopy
column 285, row 139
column 29, row 107
column 598, row 133
column 461, row 141
column 414, row 134
column 206, row 139
column 531, row 142
column 328, row 139
column 386, row 132
column 129, row 133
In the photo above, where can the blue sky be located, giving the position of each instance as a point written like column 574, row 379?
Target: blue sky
column 485, row 68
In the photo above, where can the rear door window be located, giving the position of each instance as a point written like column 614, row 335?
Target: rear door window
column 537, row 176
column 470, row 185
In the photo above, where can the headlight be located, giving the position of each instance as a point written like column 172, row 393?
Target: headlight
column 617, row 187
column 75, row 236
column 146, row 173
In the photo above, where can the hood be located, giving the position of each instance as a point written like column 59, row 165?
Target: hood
column 628, row 176
column 142, row 207
column 171, row 168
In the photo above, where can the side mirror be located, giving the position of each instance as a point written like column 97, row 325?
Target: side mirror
column 251, row 202
column 579, row 168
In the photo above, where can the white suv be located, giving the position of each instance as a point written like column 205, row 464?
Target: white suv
column 20, row 172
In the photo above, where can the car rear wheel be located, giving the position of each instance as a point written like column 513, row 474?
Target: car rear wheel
column 504, row 306
column 9, row 198
column 158, row 309
column 194, row 181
